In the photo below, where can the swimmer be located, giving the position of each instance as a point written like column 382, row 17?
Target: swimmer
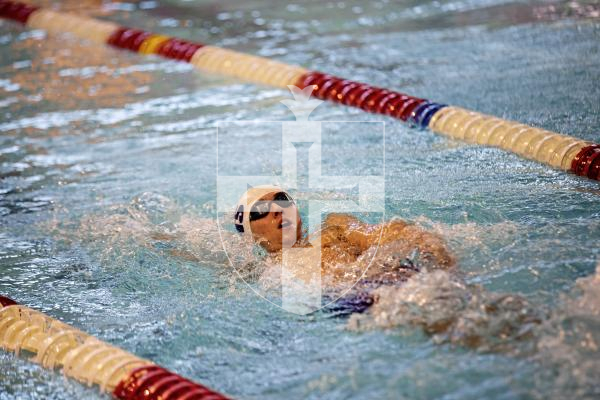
column 411, row 278
column 270, row 218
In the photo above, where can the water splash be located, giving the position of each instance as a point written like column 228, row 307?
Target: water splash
column 565, row 341
column 450, row 310
column 568, row 346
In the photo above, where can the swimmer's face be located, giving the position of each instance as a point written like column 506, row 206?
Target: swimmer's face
column 280, row 227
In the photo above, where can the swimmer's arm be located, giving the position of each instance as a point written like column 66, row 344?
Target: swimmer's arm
column 364, row 235
column 431, row 246
column 163, row 237
column 349, row 228
column 191, row 237
column 352, row 231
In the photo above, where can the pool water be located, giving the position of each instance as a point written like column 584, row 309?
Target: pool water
column 101, row 149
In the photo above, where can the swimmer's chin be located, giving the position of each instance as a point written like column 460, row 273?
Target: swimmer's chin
column 274, row 248
column 286, row 223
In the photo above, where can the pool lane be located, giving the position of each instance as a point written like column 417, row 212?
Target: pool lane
column 557, row 150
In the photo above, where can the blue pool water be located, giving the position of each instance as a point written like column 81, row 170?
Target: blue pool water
column 101, row 149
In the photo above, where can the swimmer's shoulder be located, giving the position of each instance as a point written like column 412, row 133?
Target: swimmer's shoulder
column 341, row 220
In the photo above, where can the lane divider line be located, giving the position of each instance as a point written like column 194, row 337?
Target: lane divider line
column 90, row 361
column 559, row 151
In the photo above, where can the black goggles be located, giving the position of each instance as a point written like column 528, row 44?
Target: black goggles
column 263, row 207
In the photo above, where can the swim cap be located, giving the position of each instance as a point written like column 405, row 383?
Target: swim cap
column 245, row 203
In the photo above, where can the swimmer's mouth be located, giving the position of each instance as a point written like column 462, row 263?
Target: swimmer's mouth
column 285, row 224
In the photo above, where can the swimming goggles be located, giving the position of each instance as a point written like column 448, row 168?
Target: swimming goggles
column 263, row 207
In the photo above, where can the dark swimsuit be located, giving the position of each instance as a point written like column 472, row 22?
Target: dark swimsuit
column 396, row 270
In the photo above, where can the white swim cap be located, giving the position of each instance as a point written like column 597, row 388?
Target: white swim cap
column 245, row 203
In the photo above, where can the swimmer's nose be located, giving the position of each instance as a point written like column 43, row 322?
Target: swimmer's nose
column 277, row 214
column 283, row 216
column 276, row 209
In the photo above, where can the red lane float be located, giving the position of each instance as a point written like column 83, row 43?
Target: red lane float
column 16, row 11
column 152, row 382
column 178, row 49
column 369, row 98
column 5, row 302
column 361, row 95
column 128, row 39
column 587, row 162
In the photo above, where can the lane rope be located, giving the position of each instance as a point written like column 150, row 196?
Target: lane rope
column 89, row 360
column 560, row 151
